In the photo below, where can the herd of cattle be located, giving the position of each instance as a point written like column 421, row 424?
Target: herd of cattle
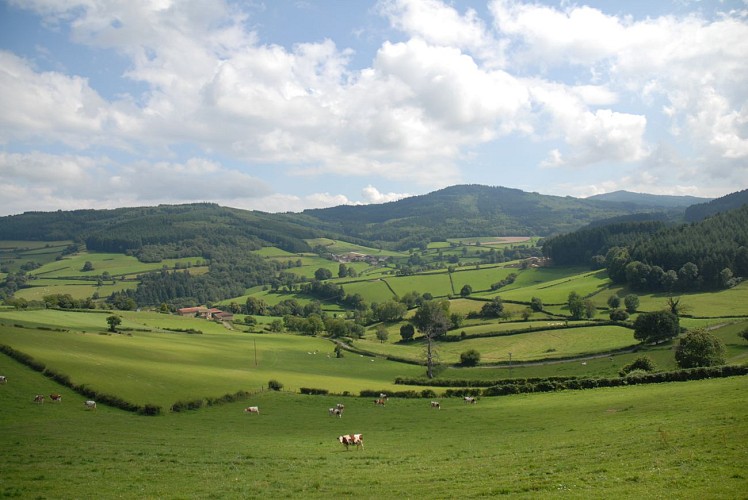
column 54, row 397
column 346, row 440
column 357, row 440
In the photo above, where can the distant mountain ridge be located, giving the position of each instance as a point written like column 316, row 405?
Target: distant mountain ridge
column 471, row 210
column 701, row 211
column 453, row 212
column 649, row 200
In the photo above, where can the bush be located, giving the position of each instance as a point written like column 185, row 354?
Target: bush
column 313, row 391
column 470, row 358
column 274, row 385
column 618, row 315
column 643, row 363
column 699, row 348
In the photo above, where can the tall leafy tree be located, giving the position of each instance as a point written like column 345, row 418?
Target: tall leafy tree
column 576, row 305
column 656, row 326
column 699, row 348
column 432, row 320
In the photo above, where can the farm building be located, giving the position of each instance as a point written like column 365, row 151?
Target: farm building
column 207, row 313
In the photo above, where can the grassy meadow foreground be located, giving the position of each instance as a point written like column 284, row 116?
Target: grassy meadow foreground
column 676, row 440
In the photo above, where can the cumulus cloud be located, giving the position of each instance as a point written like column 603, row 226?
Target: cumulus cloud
column 451, row 83
column 104, row 183
column 372, row 195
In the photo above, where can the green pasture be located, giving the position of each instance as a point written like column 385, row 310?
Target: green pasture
column 539, row 345
column 276, row 252
column 338, row 247
column 78, row 290
column 115, row 264
column 162, row 368
column 554, row 285
column 437, row 285
column 371, row 290
column 480, row 279
column 676, row 440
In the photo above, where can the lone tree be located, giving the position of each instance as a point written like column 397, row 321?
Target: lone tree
column 382, row 334
column 656, row 326
column 470, row 358
column 88, row 266
column 113, row 322
column 744, row 334
column 492, row 309
column 699, row 348
column 322, row 274
column 407, row 332
column 631, row 301
column 536, row 304
column 576, row 305
column 431, row 319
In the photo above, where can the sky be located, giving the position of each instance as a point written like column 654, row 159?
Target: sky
column 285, row 105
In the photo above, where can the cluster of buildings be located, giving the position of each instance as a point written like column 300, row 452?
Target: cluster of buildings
column 206, row 313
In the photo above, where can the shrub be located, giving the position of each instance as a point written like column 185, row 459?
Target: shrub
column 313, row 391
column 274, row 385
column 699, row 348
column 618, row 315
column 150, row 410
column 642, row 363
column 470, row 358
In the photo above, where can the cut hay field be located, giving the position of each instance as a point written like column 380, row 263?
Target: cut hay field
column 677, row 440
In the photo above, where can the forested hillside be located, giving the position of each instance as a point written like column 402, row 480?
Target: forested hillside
column 701, row 211
column 654, row 256
column 468, row 210
column 139, row 230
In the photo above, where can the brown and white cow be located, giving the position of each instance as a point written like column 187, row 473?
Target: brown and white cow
column 90, row 405
column 39, row 399
column 356, row 440
column 252, row 409
column 57, row 398
column 380, row 401
column 436, row 404
column 470, row 399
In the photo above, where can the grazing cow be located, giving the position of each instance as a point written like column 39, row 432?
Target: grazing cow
column 57, row 398
column 252, row 409
column 352, row 439
column 436, row 404
column 90, row 405
column 470, row 399
column 39, row 399
column 380, row 401
column 336, row 411
column 3, row 379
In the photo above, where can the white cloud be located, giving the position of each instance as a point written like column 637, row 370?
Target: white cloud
column 104, row 183
column 49, row 104
column 441, row 25
column 372, row 195
column 588, row 87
